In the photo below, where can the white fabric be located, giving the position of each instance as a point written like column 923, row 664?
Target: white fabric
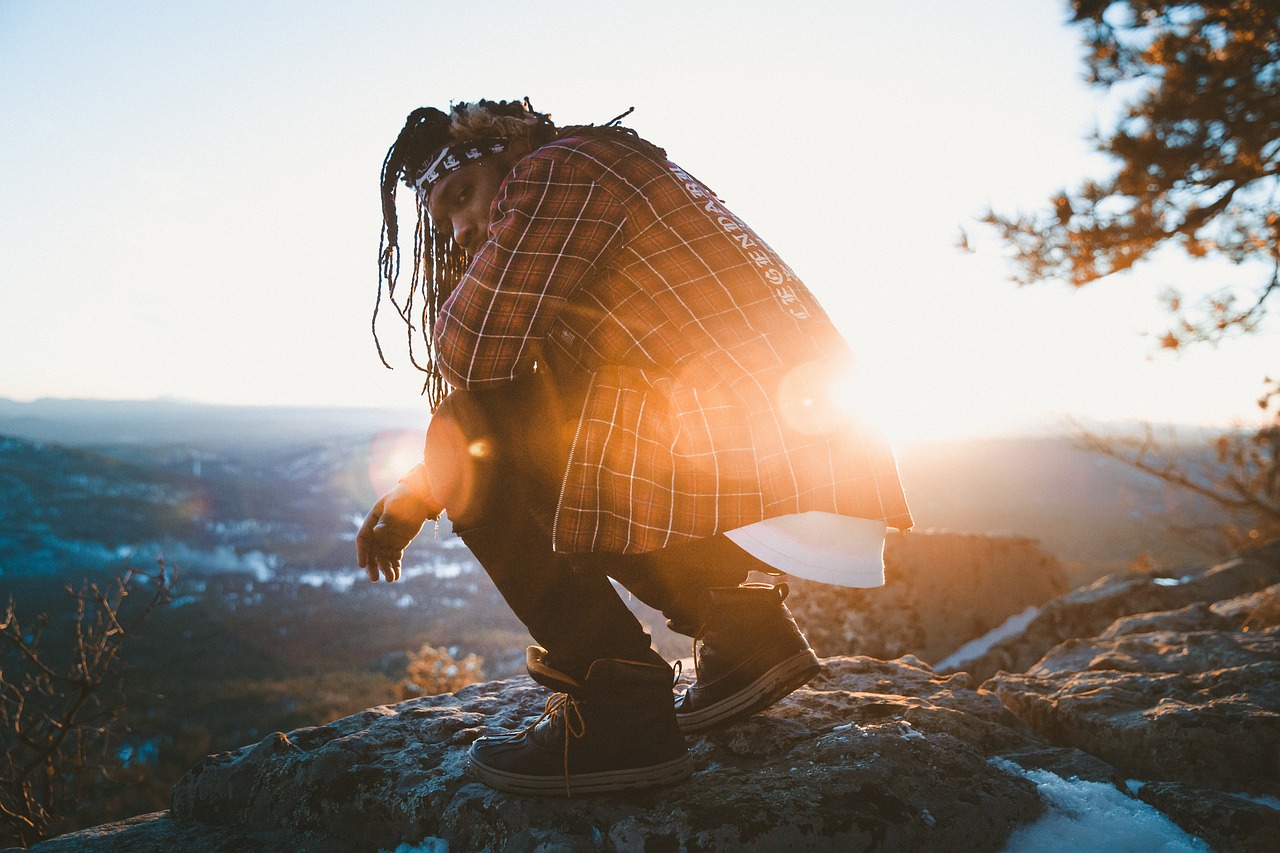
column 818, row 546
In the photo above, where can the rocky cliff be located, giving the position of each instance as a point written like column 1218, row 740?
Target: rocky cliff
column 1088, row 611
column 941, row 590
column 1178, row 706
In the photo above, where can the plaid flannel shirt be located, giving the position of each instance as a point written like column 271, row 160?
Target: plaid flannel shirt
column 702, row 356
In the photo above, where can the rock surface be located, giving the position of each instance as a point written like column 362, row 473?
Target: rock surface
column 1189, row 697
column 1201, row 708
column 1090, row 610
column 1171, row 694
column 1230, row 824
column 871, row 756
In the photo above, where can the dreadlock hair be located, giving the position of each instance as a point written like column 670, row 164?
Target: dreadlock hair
column 438, row 261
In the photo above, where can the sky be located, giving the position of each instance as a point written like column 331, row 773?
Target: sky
column 189, row 203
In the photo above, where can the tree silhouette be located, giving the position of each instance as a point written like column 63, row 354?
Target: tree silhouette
column 1198, row 151
column 1240, row 476
column 60, row 707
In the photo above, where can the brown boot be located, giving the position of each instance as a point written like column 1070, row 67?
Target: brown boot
column 614, row 730
column 748, row 654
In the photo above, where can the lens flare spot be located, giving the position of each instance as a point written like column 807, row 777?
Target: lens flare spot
column 818, row 398
column 478, row 449
column 391, row 455
column 197, row 506
column 805, row 399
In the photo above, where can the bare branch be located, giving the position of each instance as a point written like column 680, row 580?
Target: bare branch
column 1243, row 479
column 54, row 719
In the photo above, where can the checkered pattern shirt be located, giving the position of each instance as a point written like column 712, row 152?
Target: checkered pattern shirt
column 703, row 358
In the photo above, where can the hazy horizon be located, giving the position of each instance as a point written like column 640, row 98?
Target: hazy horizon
column 379, row 417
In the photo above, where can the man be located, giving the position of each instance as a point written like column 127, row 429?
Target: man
column 621, row 372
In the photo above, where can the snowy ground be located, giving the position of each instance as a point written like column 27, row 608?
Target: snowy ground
column 1095, row 816
column 974, row 649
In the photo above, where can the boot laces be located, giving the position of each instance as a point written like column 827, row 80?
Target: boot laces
column 563, row 709
column 698, row 642
column 677, row 666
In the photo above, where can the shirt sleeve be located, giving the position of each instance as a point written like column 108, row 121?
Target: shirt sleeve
column 553, row 225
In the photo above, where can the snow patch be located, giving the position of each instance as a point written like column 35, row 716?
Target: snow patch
column 974, row 649
column 1260, row 799
column 1094, row 816
column 1172, row 581
column 344, row 579
column 341, row 581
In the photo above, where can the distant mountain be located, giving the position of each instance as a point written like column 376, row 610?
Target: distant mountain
column 1090, row 510
column 84, row 483
column 105, row 423
column 61, row 506
column 289, row 484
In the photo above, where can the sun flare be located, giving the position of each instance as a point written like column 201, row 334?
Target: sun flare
column 391, row 454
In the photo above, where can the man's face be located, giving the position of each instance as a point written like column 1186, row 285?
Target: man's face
column 459, row 204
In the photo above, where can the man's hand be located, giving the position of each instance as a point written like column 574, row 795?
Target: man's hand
column 389, row 527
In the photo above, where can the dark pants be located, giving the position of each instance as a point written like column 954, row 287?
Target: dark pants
column 496, row 458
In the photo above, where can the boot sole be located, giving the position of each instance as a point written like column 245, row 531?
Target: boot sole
column 666, row 773
column 777, row 683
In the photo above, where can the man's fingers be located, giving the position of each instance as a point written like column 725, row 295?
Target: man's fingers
column 384, row 564
column 381, row 542
column 365, row 539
